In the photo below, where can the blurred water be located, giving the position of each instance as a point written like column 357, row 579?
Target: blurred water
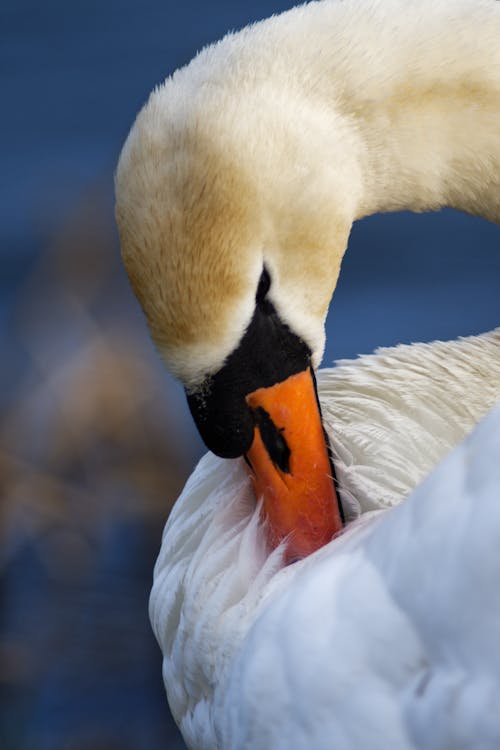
column 409, row 277
column 84, row 510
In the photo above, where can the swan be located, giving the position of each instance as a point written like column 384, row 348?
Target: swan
column 235, row 193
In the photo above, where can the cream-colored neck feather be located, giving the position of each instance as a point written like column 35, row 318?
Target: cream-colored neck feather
column 433, row 139
column 415, row 86
column 269, row 144
column 419, row 85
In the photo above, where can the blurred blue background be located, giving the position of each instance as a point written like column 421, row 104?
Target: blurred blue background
column 95, row 439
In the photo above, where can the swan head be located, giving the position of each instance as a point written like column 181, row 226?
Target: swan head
column 233, row 221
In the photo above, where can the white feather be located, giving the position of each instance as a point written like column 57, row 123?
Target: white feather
column 387, row 637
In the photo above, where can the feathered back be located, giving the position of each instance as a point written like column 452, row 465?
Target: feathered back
column 393, row 415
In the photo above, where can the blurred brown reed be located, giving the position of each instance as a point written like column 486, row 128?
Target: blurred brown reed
column 94, row 435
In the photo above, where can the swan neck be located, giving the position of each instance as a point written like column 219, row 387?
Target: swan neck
column 427, row 109
column 427, row 149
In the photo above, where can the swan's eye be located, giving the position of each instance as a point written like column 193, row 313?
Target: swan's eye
column 264, row 285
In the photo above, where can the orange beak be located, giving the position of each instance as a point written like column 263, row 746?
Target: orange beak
column 290, row 466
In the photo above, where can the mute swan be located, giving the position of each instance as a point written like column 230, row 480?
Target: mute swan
column 236, row 191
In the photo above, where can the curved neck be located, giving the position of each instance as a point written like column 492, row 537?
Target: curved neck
column 434, row 147
column 403, row 97
column 419, row 83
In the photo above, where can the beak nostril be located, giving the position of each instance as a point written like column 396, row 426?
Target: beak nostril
column 273, row 439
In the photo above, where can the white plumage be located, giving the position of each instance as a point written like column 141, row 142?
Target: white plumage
column 388, row 636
